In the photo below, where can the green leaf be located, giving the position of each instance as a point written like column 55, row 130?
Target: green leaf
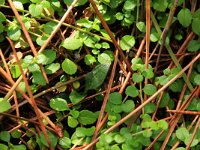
column 129, row 5
column 176, row 86
column 132, row 91
column 185, row 17
column 19, row 147
column 52, row 68
column 2, row 17
column 1, row 27
column 163, row 124
column 193, row 46
column 194, row 141
column 104, row 58
column 5, row 136
column 72, row 122
column 84, row 23
column 182, row 133
column 76, row 97
column 141, row 26
column 95, row 78
column 4, row 105
column 89, row 59
column 137, row 64
column 18, row 5
column 160, row 5
column 15, row 71
column 147, row 133
column 53, row 139
column 119, row 138
column 79, row 3
column 115, row 98
column 46, row 57
column 195, row 26
column 35, row 10
column 69, row 66
column 137, row 77
column 197, row 79
column 33, row 67
column 65, row 142
column 72, row 43
column 16, row 133
column 3, row 147
column 149, row 89
column 119, row 16
column 14, row 33
column 149, row 108
column 165, row 100
column 28, row 59
column 127, row 42
column 128, row 106
column 2, row 2
column 87, row 117
column 49, row 27
column 38, row 78
column 58, row 104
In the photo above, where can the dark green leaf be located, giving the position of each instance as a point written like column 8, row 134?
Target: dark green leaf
column 53, row 139
column 149, row 89
column 76, row 97
column 132, row 91
column 95, row 78
column 195, row 26
column 87, row 117
column 38, row 78
column 115, row 98
column 193, row 46
column 128, row 106
column 149, row 108
column 137, row 77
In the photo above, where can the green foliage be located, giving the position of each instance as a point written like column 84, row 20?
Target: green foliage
column 185, row 17
column 5, row 105
column 86, row 117
column 72, row 43
column 127, row 42
column 132, row 91
column 69, row 66
column 58, row 104
column 149, row 89
column 95, row 78
column 115, row 98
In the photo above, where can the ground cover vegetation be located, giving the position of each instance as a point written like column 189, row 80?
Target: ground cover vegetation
column 100, row 74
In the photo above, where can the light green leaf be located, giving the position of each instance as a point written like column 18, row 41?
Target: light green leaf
column 89, row 59
column 33, row 67
column 35, row 10
column 14, row 33
column 104, row 58
column 4, row 105
column 163, row 124
column 182, row 133
column 58, row 104
column 69, row 66
column 87, row 117
column 52, row 68
column 72, row 122
column 46, row 57
column 72, row 43
column 3, row 147
column 84, row 22
column 95, row 78
column 127, row 42
column 141, row 26
column 2, row 17
column 185, row 17
column 65, row 142
column 137, row 77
